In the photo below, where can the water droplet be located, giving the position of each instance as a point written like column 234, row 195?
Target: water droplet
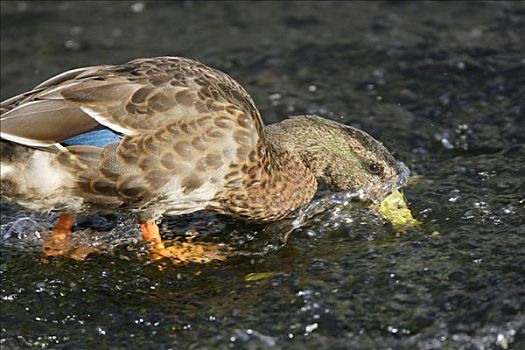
column 446, row 143
column 445, row 99
column 392, row 330
column 72, row 45
column 379, row 73
column 502, row 341
column 457, row 63
column 137, row 7
column 40, row 287
column 454, row 199
column 509, row 209
column 274, row 97
column 311, row 327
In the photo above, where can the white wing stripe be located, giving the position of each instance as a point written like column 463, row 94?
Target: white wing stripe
column 100, row 118
column 26, row 141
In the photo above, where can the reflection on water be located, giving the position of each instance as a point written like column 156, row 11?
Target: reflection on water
column 440, row 84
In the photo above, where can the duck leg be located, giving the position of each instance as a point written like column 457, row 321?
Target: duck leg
column 178, row 252
column 58, row 240
column 151, row 234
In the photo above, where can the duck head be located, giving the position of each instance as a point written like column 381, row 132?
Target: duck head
column 342, row 157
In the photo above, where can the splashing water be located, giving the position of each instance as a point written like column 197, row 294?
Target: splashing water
column 375, row 194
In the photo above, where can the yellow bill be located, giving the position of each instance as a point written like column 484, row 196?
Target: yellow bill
column 395, row 209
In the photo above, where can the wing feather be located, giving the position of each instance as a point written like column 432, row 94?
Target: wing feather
column 132, row 98
column 44, row 123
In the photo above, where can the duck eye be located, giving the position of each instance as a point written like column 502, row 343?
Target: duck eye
column 375, row 168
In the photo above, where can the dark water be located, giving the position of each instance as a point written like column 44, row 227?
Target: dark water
column 441, row 85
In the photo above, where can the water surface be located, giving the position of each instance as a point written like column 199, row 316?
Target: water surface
column 441, row 85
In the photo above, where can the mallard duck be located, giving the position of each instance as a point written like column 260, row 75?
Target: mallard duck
column 169, row 136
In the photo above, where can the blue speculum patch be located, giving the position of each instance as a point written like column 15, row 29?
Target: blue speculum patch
column 97, row 138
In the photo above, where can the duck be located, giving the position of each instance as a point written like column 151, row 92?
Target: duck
column 170, row 136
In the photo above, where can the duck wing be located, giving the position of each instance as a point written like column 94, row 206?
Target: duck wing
column 129, row 99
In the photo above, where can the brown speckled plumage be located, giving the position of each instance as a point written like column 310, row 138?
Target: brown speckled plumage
column 191, row 139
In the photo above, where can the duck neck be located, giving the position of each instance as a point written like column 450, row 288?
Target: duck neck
column 272, row 188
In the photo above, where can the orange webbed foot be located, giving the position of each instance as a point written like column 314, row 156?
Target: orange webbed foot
column 58, row 240
column 179, row 252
